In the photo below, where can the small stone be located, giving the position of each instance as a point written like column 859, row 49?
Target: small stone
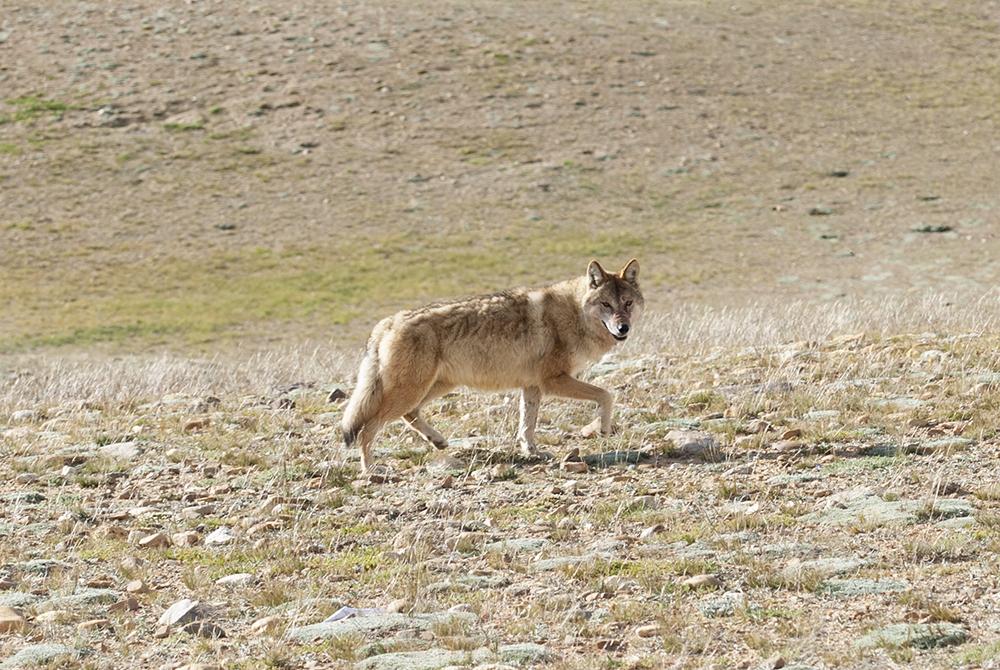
column 694, row 444
column 185, row 538
column 181, row 612
column 791, row 434
column 447, row 482
column 154, row 541
column 161, row 632
column 200, row 666
column 11, row 620
column 336, row 395
column 651, row 531
column 268, row 624
column 126, row 604
column 773, row 663
column 219, row 537
column 398, row 605
column 92, row 625
column 237, row 580
column 702, row 581
column 136, row 586
column 575, row 467
column 461, row 607
column 651, row 630
column 197, row 511
column 204, row 629
column 26, row 478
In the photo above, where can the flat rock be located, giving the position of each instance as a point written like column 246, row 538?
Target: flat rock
column 237, row 580
column 524, row 654
column 609, row 458
column 378, row 624
column 468, row 583
column 853, row 588
column 81, row 597
column 219, row 537
column 915, row 635
column 38, row 654
column 696, row 444
column 18, row 599
column 559, row 562
column 123, row 451
column 822, row 567
column 531, row 545
column 42, row 566
column 872, row 510
column 181, row 612
column 430, row 659
column 725, row 605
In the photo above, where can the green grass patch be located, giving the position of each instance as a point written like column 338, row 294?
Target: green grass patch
column 30, row 107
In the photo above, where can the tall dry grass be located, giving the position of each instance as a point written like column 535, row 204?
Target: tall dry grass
column 57, row 379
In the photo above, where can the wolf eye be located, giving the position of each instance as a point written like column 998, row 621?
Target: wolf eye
column 606, row 305
column 628, row 303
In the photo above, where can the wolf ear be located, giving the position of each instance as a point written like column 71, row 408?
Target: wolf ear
column 630, row 272
column 596, row 274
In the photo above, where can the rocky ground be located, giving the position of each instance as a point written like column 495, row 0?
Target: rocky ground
column 818, row 504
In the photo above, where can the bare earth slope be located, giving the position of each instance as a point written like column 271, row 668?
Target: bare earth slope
column 190, row 174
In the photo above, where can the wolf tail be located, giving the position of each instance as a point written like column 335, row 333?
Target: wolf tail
column 365, row 399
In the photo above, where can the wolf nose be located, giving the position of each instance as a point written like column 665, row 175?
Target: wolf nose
column 622, row 329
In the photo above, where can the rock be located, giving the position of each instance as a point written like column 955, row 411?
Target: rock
column 136, row 586
column 617, row 457
column 203, row 629
column 336, row 395
column 524, row 654
column 430, row 659
column 38, row 654
column 18, row 599
column 377, row 623
column 915, row 635
column 791, row 434
column 822, row 415
column 821, row 567
column 197, row 511
column 237, row 580
column 266, row 625
column 81, row 597
column 156, row 540
column 219, row 537
column 702, row 582
column 185, row 538
column 559, row 562
column 574, row 467
column 649, row 630
column 853, row 588
column 859, row 507
column 126, row 604
column 181, row 612
column 93, row 624
column 11, row 620
column 530, row 545
column 200, row 666
column 651, row 531
column 695, row 444
column 725, row 605
column 123, row 451
column 26, row 478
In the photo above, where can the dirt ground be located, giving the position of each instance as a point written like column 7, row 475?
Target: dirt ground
column 193, row 174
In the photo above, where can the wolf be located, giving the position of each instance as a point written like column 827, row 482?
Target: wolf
column 533, row 339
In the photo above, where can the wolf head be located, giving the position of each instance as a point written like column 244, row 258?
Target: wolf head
column 613, row 301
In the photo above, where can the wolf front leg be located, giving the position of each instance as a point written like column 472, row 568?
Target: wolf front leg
column 531, row 398
column 571, row 387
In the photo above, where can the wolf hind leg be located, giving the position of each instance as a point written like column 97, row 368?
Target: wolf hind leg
column 420, row 425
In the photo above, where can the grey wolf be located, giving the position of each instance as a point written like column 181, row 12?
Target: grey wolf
column 534, row 339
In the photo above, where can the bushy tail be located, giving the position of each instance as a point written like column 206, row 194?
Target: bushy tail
column 365, row 399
